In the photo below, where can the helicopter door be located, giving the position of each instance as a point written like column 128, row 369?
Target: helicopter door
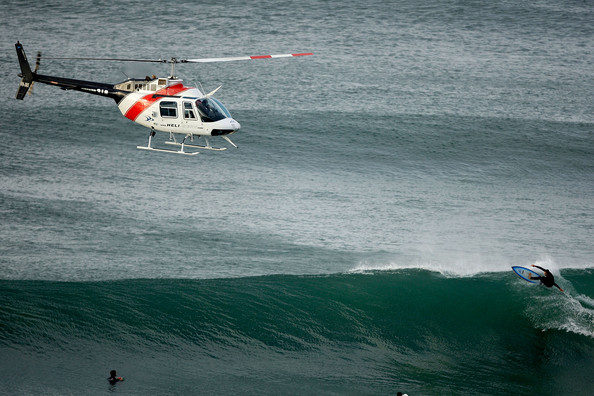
column 191, row 119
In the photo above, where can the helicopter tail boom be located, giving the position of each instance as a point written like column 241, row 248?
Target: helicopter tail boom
column 29, row 77
column 91, row 87
column 26, row 73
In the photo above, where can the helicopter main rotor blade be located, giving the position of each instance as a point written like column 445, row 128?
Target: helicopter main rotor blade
column 175, row 60
column 116, row 59
column 237, row 58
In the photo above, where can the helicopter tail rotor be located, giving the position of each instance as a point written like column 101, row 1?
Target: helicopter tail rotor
column 26, row 73
column 37, row 63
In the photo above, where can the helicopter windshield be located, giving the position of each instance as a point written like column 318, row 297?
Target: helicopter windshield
column 211, row 110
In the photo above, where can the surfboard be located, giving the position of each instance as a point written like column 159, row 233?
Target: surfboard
column 525, row 273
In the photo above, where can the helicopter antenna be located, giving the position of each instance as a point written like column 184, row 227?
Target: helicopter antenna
column 208, row 95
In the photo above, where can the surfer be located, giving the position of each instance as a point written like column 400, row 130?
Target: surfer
column 113, row 379
column 548, row 279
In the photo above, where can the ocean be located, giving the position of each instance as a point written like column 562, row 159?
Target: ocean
column 360, row 239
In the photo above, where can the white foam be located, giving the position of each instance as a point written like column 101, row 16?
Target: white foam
column 457, row 266
column 567, row 311
column 585, row 300
column 577, row 318
column 460, row 271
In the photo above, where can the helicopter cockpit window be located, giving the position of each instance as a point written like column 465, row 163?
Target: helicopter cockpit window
column 168, row 109
column 211, row 110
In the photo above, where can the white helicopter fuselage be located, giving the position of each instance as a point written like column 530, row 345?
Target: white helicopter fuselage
column 167, row 105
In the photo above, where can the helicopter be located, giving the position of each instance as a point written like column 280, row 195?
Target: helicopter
column 163, row 104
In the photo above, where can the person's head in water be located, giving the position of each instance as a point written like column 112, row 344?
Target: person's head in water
column 112, row 377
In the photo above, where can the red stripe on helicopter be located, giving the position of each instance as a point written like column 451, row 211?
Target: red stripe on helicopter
column 278, row 56
column 147, row 100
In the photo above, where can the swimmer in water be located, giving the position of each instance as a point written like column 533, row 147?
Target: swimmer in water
column 113, row 379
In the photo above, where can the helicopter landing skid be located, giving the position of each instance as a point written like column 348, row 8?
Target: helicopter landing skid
column 168, row 151
column 197, row 146
column 180, row 151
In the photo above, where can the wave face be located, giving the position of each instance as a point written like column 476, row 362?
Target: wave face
column 376, row 331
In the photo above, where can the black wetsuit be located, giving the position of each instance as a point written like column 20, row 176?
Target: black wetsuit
column 114, row 380
column 548, row 280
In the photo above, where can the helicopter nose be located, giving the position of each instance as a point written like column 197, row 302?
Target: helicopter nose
column 234, row 124
column 225, row 127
